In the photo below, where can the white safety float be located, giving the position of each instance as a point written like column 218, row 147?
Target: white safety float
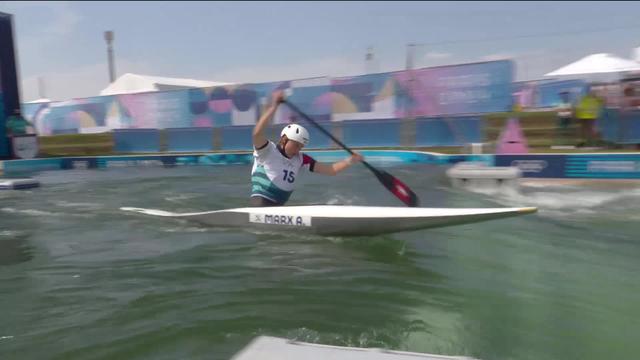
column 18, row 184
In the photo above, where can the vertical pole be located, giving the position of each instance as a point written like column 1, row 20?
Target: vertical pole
column 9, row 91
column 411, row 77
column 409, row 124
column 108, row 37
column 41, row 90
column 369, row 61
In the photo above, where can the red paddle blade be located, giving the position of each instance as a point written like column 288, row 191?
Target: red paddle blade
column 397, row 187
column 402, row 192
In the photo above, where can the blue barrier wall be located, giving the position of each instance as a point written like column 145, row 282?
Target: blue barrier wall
column 577, row 166
column 448, row 131
column 236, row 138
column 608, row 125
column 620, row 127
column 318, row 140
column 136, row 140
column 189, row 139
column 371, row 132
column 434, row 132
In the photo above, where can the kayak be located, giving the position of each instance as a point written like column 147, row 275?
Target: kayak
column 338, row 220
column 271, row 348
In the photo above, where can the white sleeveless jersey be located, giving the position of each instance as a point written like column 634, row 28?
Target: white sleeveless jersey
column 273, row 175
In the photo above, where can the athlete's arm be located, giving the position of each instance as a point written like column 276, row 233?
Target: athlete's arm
column 259, row 140
column 336, row 167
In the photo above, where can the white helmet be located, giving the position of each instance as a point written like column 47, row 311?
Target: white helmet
column 297, row 133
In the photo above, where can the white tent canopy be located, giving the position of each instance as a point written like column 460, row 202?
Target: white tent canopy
column 134, row 83
column 596, row 64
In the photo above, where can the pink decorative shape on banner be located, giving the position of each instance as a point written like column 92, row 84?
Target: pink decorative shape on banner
column 323, row 104
column 512, row 140
column 221, row 106
column 202, row 121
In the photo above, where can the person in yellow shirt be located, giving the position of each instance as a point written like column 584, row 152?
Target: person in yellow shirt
column 587, row 112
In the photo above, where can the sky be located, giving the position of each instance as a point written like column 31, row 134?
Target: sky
column 62, row 43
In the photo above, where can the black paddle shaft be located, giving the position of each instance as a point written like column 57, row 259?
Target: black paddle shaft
column 397, row 187
column 329, row 134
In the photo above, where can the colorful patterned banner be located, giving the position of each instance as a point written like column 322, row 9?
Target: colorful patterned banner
column 450, row 90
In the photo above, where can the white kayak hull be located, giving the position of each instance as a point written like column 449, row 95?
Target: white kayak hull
column 273, row 348
column 340, row 220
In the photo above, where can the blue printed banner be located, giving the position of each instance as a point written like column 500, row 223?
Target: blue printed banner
column 535, row 166
column 448, row 90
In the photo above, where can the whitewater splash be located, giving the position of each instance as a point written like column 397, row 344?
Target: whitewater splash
column 569, row 200
column 42, row 213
